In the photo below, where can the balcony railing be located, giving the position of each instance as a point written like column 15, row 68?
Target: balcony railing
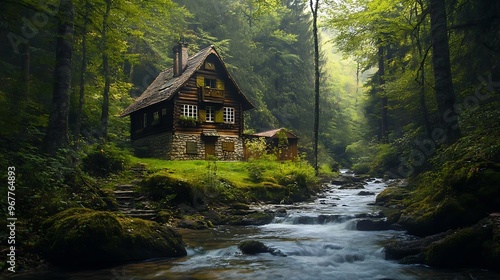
column 211, row 93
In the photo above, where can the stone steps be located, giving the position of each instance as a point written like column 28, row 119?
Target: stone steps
column 127, row 199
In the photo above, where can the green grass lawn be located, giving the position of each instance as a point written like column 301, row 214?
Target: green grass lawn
column 233, row 172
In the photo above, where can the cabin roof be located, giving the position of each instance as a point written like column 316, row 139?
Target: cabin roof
column 274, row 133
column 165, row 86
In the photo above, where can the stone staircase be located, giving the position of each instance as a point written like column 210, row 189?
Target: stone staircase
column 127, row 198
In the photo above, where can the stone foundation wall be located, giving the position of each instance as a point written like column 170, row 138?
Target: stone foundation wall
column 179, row 149
column 237, row 155
column 174, row 147
column 157, row 146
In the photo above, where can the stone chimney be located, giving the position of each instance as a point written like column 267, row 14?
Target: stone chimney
column 180, row 58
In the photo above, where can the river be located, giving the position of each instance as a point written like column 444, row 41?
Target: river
column 318, row 238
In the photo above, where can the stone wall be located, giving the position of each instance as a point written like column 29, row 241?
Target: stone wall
column 157, row 146
column 174, row 147
column 179, row 149
column 237, row 155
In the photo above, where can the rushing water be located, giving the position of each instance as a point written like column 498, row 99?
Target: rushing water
column 318, row 238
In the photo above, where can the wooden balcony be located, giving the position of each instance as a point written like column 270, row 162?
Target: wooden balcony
column 212, row 95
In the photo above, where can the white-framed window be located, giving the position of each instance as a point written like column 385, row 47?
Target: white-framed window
column 229, row 115
column 190, row 111
column 210, row 114
column 144, row 120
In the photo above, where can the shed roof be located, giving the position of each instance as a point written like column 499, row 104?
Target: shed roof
column 165, row 86
column 274, row 133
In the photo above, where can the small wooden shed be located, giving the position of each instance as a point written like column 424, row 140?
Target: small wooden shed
column 280, row 141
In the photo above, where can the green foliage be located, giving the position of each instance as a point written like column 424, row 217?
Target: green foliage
column 188, row 121
column 102, row 160
column 372, row 158
column 361, row 168
column 166, row 190
column 255, row 170
column 257, row 148
column 299, row 178
column 463, row 184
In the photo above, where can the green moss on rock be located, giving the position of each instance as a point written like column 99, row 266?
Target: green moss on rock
column 392, row 197
column 81, row 236
column 468, row 246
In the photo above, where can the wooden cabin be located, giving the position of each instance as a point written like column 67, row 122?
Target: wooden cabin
column 190, row 111
column 280, row 141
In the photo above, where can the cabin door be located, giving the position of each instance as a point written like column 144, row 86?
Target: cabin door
column 209, row 149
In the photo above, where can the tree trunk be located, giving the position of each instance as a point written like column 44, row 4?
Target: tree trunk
column 384, row 127
column 81, row 98
column 442, row 71
column 107, row 79
column 422, row 56
column 57, row 132
column 314, row 11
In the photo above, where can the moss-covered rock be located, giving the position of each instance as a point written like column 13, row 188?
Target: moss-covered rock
column 392, row 197
column 164, row 188
column 196, row 222
column 476, row 245
column 81, row 236
column 257, row 218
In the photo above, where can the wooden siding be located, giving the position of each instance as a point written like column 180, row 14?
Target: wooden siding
column 164, row 124
column 190, row 94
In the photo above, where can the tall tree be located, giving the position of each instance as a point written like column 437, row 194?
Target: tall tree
column 445, row 94
column 57, row 132
column 81, row 95
column 106, row 72
column 314, row 10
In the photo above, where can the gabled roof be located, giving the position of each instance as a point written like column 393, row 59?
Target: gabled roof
column 274, row 132
column 165, row 86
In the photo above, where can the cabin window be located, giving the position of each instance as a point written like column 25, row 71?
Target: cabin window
column 190, row 111
column 210, row 113
column 156, row 117
column 191, row 148
column 228, row 146
column 229, row 115
column 163, row 111
column 144, row 120
column 210, row 83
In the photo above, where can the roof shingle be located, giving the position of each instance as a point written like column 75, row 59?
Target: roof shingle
column 166, row 85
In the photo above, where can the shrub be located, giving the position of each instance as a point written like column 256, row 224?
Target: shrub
column 255, row 171
column 361, row 168
column 103, row 160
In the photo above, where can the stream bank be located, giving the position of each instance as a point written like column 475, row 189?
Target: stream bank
column 318, row 239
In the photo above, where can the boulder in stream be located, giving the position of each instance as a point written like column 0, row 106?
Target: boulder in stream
column 253, row 247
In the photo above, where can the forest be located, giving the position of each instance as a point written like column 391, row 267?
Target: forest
column 406, row 89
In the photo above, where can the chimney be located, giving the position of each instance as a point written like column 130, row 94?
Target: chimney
column 180, row 58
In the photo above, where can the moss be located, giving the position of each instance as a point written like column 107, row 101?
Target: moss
column 392, row 197
column 464, row 247
column 164, row 216
column 81, row 236
column 162, row 186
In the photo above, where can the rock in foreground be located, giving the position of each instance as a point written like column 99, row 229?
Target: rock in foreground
column 82, row 237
